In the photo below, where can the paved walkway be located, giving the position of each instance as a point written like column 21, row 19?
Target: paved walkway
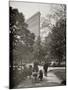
column 50, row 80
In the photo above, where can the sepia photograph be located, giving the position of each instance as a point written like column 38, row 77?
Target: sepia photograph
column 37, row 39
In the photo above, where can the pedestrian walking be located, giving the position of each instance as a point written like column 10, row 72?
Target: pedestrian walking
column 35, row 71
column 35, row 68
column 35, row 75
column 30, row 71
column 45, row 67
column 40, row 75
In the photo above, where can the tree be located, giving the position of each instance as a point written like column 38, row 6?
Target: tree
column 58, row 40
column 21, row 40
column 39, row 50
column 57, row 12
column 57, row 43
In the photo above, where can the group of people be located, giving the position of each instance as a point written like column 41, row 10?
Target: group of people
column 35, row 73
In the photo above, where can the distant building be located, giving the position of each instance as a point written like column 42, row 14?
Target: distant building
column 38, row 25
column 34, row 24
column 44, row 28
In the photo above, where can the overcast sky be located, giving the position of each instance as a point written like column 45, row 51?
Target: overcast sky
column 29, row 8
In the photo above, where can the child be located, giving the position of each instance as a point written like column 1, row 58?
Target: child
column 35, row 74
column 40, row 75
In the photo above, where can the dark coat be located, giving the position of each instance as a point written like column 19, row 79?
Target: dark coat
column 45, row 67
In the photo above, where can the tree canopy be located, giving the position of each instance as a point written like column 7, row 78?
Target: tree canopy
column 21, row 39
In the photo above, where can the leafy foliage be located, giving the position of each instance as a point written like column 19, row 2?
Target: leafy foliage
column 21, row 39
column 58, row 40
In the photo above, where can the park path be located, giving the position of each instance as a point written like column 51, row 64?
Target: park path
column 50, row 80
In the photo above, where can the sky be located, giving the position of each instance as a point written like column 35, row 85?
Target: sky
column 29, row 8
